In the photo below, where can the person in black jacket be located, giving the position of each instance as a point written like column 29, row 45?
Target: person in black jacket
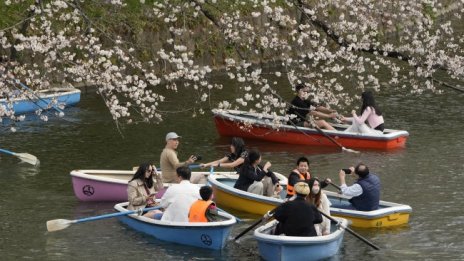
column 307, row 112
column 297, row 217
column 254, row 178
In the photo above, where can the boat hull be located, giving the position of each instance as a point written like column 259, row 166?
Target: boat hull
column 233, row 125
column 22, row 106
column 106, row 185
column 90, row 189
column 283, row 248
column 211, row 235
column 390, row 214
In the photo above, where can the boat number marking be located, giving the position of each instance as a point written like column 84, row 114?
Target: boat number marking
column 206, row 239
column 88, row 190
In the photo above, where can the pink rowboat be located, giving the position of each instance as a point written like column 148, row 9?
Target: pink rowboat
column 109, row 185
column 275, row 128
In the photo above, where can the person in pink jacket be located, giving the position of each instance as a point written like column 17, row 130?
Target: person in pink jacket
column 371, row 119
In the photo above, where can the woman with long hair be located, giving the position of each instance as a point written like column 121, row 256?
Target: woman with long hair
column 254, row 178
column 370, row 120
column 142, row 188
column 322, row 203
column 234, row 159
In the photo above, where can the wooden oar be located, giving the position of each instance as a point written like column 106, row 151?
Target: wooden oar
column 351, row 231
column 26, row 157
column 334, row 141
column 59, row 224
column 254, row 225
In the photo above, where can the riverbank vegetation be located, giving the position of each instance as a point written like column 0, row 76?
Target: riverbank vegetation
column 136, row 51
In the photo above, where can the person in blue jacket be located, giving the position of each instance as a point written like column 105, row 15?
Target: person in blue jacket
column 365, row 192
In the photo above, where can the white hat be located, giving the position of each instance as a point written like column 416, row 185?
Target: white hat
column 172, row 136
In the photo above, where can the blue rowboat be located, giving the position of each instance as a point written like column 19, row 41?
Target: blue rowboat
column 211, row 235
column 280, row 247
column 42, row 100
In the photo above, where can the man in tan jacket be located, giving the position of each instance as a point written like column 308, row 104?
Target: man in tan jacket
column 169, row 161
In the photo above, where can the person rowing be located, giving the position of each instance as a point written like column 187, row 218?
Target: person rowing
column 308, row 113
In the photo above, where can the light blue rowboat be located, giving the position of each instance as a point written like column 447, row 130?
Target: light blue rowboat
column 42, row 100
column 212, row 235
column 281, row 248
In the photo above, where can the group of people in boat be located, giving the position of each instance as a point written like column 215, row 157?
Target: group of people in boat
column 306, row 113
column 185, row 201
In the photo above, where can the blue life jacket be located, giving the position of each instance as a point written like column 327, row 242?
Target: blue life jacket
column 369, row 199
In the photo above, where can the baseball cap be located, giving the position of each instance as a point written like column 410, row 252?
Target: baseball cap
column 172, row 136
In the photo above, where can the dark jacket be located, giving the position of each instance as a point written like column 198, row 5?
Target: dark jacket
column 248, row 174
column 297, row 218
column 299, row 108
column 369, row 199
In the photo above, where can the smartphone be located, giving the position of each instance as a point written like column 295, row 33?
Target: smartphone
column 198, row 157
column 347, row 171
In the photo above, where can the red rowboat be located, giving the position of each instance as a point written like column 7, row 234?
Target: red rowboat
column 275, row 128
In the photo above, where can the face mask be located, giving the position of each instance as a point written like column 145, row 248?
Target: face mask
column 315, row 191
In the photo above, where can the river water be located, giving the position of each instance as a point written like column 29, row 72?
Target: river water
column 427, row 175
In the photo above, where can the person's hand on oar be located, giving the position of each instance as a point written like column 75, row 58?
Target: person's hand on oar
column 329, row 182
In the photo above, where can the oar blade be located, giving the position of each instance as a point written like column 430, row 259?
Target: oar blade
column 28, row 158
column 350, row 150
column 58, row 224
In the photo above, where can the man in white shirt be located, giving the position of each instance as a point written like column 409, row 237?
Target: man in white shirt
column 179, row 197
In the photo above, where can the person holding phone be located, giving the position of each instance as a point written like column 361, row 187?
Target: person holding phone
column 365, row 192
column 142, row 188
column 169, row 161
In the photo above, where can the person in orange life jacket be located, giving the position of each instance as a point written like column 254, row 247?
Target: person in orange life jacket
column 365, row 192
column 142, row 188
column 300, row 173
column 204, row 209
column 234, row 159
column 297, row 217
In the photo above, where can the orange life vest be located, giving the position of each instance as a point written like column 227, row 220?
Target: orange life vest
column 290, row 190
column 198, row 209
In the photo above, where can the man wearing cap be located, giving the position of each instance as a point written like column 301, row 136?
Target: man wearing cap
column 297, row 217
column 365, row 192
column 169, row 161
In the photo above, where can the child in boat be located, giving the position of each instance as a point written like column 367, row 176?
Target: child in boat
column 204, row 209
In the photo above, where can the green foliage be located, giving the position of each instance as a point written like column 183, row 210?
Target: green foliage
column 427, row 10
column 13, row 13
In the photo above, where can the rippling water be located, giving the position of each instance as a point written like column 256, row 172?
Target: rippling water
column 427, row 175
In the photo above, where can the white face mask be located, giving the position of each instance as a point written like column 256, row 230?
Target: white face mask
column 314, row 191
